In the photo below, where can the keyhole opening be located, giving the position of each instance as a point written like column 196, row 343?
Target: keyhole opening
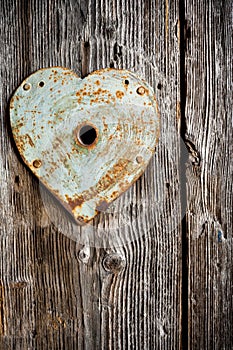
column 87, row 135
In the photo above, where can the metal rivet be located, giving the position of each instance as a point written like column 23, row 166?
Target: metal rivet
column 37, row 163
column 139, row 159
column 141, row 90
column 113, row 263
column 27, row 87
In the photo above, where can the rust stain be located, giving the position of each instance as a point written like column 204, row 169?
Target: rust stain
column 19, row 125
column 12, row 102
column 117, row 172
column 82, row 92
column 100, row 91
column 105, row 129
column 77, row 202
column 114, row 194
column 31, row 143
column 69, row 73
column 119, row 94
column 20, row 142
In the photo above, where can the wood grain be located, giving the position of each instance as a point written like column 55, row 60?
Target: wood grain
column 62, row 293
column 209, row 174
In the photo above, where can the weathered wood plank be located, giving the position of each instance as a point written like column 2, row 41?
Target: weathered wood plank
column 58, row 293
column 209, row 175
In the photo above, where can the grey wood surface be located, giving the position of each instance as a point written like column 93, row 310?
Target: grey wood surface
column 122, row 282
column 56, row 293
column 209, row 173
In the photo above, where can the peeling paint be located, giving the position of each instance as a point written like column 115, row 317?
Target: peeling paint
column 123, row 119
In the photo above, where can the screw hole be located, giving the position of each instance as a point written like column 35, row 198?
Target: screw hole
column 87, row 135
column 27, row 87
column 141, row 90
column 139, row 159
column 41, row 84
column 126, row 82
column 37, row 163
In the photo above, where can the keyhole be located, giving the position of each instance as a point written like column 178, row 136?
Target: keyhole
column 87, row 135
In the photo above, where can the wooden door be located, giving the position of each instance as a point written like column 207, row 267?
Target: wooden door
column 165, row 281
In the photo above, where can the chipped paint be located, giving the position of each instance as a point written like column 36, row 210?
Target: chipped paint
column 122, row 114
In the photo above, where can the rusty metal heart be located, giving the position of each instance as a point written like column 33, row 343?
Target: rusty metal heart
column 87, row 140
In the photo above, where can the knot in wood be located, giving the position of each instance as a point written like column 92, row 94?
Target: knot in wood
column 113, row 263
column 84, row 255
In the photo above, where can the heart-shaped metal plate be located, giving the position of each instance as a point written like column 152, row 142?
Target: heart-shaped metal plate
column 87, row 140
